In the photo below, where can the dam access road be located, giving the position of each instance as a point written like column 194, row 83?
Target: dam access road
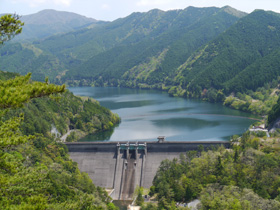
column 121, row 166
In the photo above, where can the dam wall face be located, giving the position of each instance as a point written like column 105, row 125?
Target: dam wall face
column 121, row 166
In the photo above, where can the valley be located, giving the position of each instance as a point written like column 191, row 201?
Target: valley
column 207, row 53
column 200, row 77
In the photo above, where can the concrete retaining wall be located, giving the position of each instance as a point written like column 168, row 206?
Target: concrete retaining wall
column 105, row 164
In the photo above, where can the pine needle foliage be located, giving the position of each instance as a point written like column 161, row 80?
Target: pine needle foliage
column 13, row 94
column 10, row 25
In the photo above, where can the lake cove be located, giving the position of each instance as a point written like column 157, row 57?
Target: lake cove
column 147, row 114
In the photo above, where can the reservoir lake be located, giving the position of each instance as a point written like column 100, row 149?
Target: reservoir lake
column 147, row 114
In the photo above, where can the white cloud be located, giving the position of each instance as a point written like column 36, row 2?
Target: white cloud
column 153, row 2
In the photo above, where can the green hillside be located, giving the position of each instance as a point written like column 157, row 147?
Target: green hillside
column 215, row 53
column 148, row 34
column 65, row 113
column 241, row 58
column 132, row 29
column 207, row 53
column 36, row 171
column 23, row 58
column 180, row 41
column 242, row 177
column 6, row 75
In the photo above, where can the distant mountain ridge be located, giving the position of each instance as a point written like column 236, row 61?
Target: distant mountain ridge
column 50, row 16
column 49, row 22
column 185, row 31
column 128, row 41
column 185, row 52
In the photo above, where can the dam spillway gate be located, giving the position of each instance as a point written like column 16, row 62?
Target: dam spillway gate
column 133, row 157
column 121, row 166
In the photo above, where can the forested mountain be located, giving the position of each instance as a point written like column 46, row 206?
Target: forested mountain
column 241, row 58
column 23, row 58
column 49, row 22
column 195, row 52
column 190, row 29
column 126, row 41
column 124, row 31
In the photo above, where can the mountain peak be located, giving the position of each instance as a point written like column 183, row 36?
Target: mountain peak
column 234, row 11
column 49, row 22
column 51, row 16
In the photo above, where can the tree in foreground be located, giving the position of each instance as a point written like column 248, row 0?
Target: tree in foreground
column 10, row 25
column 38, row 174
column 14, row 93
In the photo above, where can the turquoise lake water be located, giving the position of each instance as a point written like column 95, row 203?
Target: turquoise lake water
column 147, row 114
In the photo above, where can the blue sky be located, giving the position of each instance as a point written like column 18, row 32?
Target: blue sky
column 113, row 9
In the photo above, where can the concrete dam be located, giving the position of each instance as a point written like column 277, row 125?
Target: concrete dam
column 121, row 166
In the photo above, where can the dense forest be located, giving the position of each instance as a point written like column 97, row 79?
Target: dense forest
column 35, row 170
column 40, row 175
column 67, row 112
column 216, row 54
column 274, row 114
column 243, row 177
column 129, row 41
column 199, row 27
column 63, row 112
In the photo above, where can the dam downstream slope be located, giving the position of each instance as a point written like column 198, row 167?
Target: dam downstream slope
column 121, row 166
column 129, row 177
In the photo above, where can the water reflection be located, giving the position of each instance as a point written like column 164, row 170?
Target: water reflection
column 186, row 123
column 147, row 114
column 125, row 104
column 105, row 136
column 181, row 109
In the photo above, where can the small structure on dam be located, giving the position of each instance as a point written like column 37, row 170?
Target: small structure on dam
column 121, row 166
